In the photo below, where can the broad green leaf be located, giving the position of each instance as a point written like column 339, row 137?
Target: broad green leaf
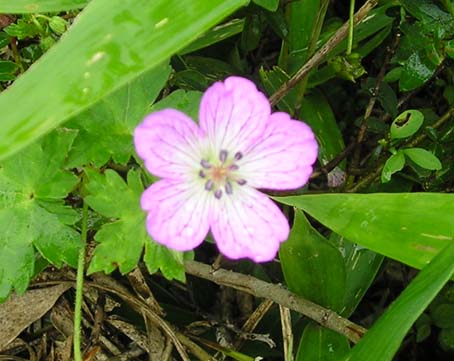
column 409, row 227
column 301, row 16
column 423, row 158
column 321, row 344
column 317, row 112
column 121, row 242
column 312, row 266
column 32, row 212
column 270, row 5
column 39, row 6
column 272, row 80
column 361, row 267
column 111, row 43
column 106, row 129
column 406, row 124
column 215, row 35
column 416, row 71
column 382, row 341
column 393, row 164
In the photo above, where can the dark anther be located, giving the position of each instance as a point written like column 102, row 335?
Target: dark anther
column 205, row 164
column 233, row 167
column 209, row 185
column 218, row 194
column 202, row 174
column 223, row 155
column 228, row 187
column 238, row 156
column 241, row 182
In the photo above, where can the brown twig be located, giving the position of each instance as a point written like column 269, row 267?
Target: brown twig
column 317, row 58
column 279, row 295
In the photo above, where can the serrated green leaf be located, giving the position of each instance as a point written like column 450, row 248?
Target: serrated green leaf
column 321, row 344
column 22, row 29
column 382, row 341
column 184, row 101
column 32, row 212
column 121, row 40
column 41, row 6
column 423, row 158
column 409, row 227
column 106, row 128
column 312, row 266
column 406, row 124
column 393, row 164
column 121, row 242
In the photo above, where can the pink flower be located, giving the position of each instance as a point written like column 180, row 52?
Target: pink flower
column 211, row 171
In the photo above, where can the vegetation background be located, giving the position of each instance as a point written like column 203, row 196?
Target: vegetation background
column 371, row 245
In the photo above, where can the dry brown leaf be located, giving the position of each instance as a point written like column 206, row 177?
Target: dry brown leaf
column 19, row 312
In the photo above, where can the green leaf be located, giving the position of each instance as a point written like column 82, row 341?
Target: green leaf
column 446, row 339
column 40, row 6
column 24, row 28
column 416, row 71
column 32, row 212
column 270, row 5
column 184, row 101
column 409, row 227
column 104, row 49
column 321, row 344
column 393, row 164
column 106, row 128
column 382, row 341
column 406, row 124
column 312, row 266
column 215, row 35
column 121, row 242
column 317, row 112
column 423, row 158
column 361, row 267
column 58, row 24
column 443, row 315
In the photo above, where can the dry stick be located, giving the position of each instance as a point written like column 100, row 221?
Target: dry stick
column 371, row 177
column 279, row 295
column 317, row 58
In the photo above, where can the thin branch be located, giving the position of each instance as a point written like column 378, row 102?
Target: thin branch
column 317, row 58
column 279, row 295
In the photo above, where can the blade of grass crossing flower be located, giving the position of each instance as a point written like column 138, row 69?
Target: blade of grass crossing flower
column 42, row 6
column 382, row 341
column 110, row 43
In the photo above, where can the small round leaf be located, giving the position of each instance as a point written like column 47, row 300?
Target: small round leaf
column 406, row 124
column 394, row 164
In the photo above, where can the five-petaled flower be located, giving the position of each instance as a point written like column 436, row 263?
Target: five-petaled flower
column 211, row 171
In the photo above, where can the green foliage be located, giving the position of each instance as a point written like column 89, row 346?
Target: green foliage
column 406, row 124
column 120, row 47
column 122, row 241
column 41, row 6
column 409, row 227
column 33, row 214
column 382, row 341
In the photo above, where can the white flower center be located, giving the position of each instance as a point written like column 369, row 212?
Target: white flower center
column 222, row 174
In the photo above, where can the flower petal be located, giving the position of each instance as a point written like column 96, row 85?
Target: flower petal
column 168, row 142
column 283, row 159
column 178, row 213
column 248, row 224
column 233, row 113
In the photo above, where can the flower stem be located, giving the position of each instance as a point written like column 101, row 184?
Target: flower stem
column 79, row 285
column 350, row 26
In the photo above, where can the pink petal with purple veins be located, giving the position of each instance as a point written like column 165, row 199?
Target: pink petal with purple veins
column 248, row 224
column 233, row 113
column 178, row 213
column 168, row 142
column 283, row 158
